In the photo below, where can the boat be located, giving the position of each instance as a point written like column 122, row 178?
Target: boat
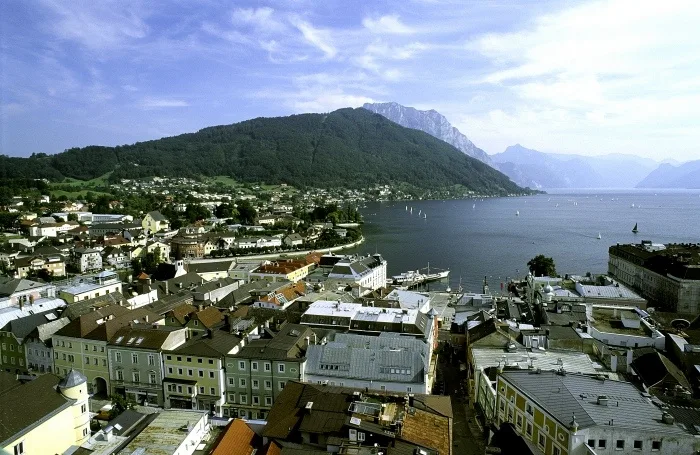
column 634, row 229
column 599, row 237
column 425, row 216
column 517, row 213
column 412, row 276
column 411, row 210
column 419, row 211
column 407, row 208
column 473, row 206
column 436, row 276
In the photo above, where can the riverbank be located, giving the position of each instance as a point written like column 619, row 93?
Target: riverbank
column 289, row 254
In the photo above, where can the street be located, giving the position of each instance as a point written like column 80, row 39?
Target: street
column 467, row 434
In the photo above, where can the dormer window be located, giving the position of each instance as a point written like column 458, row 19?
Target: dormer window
column 196, row 322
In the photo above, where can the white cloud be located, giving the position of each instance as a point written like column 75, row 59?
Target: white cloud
column 390, row 24
column 100, row 25
column 319, row 38
column 262, row 19
column 159, row 103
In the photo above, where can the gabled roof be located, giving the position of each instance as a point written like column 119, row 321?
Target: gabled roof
column 77, row 309
column 10, row 286
column 209, row 317
column 236, row 439
column 45, row 402
column 214, row 344
column 45, row 331
column 106, row 331
column 83, row 325
column 213, row 266
column 181, row 312
column 157, row 216
column 142, row 336
column 24, row 326
column 655, row 367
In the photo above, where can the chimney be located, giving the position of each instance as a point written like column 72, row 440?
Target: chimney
column 108, row 433
column 145, row 318
column 667, row 418
column 200, row 307
column 410, row 399
column 602, row 400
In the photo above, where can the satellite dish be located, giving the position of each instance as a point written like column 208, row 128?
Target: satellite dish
column 680, row 324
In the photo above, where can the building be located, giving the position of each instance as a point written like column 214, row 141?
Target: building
column 13, row 337
column 171, row 432
column 363, row 274
column 19, row 291
column 87, row 259
column 238, row 439
column 214, row 269
column 215, row 290
column 38, row 347
column 290, row 270
column 82, row 344
column 571, row 414
column 623, row 328
column 154, row 222
column 388, row 362
column 54, row 265
column 668, row 276
column 321, row 419
column 85, row 288
column 194, row 372
column 135, row 360
column 258, row 372
column 45, row 415
column 486, row 361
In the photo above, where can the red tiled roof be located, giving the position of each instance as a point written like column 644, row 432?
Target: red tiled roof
column 236, row 439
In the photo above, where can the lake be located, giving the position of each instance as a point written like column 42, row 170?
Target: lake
column 496, row 237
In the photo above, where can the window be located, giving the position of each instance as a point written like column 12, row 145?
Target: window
column 151, row 360
column 199, row 360
column 637, row 445
column 620, row 444
column 94, row 348
column 19, row 448
column 152, row 377
column 120, row 375
column 540, row 439
column 83, row 408
column 95, row 361
column 254, row 366
column 201, row 389
column 256, row 384
column 179, row 389
column 211, row 361
column 267, row 366
column 519, row 421
column 137, row 376
column 169, row 357
column 179, row 371
column 104, row 362
column 557, row 451
column 360, row 436
column 241, row 382
column 179, row 359
column 196, row 322
column 212, row 391
column 256, row 399
column 118, row 357
column 12, row 360
column 71, row 358
column 170, row 370
column 268, row 401
column 244, row 398
column 211, row 375
column 102, row 349
column 241, row 365
column 190, row 372
column 591, row 443
column 655, row 445
column 282, row 384
column 172, row 319
column 502, row 405
column 232, row 397
column 231, row 381
column 602, row 443
column 201, row 373
column 189, row 389
column 87, row 347
column 409, row 389
column 280, row 368
column 528, row 429
column 134, row 359
column 528, row 409
column 268, row 385
column 85, row 431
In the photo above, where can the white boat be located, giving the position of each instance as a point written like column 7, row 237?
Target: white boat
column 599, row 237
column 425, row 216
column 411, row 210
column 407, row 208
column 473, row 206
column 419, row 211
column 409, row 277
column 436, row 276
column 517, row 213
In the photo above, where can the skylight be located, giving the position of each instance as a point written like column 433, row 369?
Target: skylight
column 139, row 340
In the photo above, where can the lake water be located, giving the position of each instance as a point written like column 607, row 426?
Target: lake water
column 477, row 238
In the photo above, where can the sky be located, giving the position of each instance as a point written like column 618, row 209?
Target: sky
column 586, row 77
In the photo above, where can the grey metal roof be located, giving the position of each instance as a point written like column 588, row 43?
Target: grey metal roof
column 367, row 359
column 72, row 379
column 565, row 396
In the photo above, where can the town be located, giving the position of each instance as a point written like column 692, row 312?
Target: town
column 212, row 321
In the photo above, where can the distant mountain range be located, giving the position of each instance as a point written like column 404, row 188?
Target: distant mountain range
column 535, row 169
column 347, row 147
column 686, row 175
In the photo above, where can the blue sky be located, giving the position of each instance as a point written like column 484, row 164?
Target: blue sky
column 570, row 77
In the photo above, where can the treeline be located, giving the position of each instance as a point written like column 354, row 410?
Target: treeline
column 348, row 147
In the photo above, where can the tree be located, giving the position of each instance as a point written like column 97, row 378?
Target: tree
column 72, row 217
column 246, row 212
column 541, row 265
column 119, row 405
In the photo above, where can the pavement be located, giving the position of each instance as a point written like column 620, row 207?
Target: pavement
column 467, row 434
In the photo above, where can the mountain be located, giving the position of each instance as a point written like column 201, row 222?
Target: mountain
column 431, row 122
column 686, row 175
column 348, row 147
column 537, row 169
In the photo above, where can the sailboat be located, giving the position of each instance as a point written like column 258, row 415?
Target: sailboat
column 407, row 208
column 425, row 216
column 517, row 213
column 419, row 211
column 411, row 211
column 634, row 229
column 473, row 206
column 599, row 237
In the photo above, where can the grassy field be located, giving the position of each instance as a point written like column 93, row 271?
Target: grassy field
column 65, row 188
